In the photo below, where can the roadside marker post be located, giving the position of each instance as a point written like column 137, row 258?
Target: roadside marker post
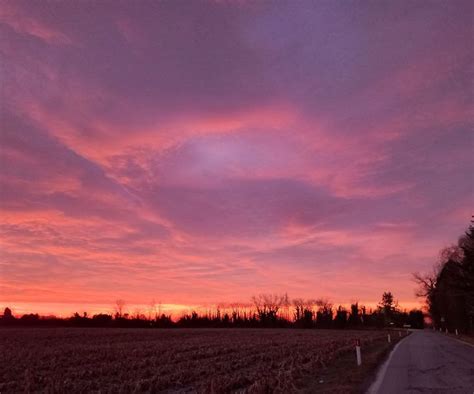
column 446, row 331
column 389, row 339
column 400, row 334
column 457, row 331
column 358, row 355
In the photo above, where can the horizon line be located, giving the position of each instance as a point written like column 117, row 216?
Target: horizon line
column 46, row 309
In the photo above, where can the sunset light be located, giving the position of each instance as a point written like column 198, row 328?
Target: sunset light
column 178, row 159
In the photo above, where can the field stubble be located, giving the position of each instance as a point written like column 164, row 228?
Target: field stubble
column 184, row 360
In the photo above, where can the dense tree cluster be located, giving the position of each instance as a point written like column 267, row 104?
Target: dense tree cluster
column 266, row 310
column 449, row 290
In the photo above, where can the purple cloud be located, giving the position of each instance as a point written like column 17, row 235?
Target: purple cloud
column 202, row 152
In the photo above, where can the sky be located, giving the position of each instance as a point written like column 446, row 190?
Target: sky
column 198, row 152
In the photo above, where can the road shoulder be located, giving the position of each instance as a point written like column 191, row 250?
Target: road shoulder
column 344, row 376
column 382, row 370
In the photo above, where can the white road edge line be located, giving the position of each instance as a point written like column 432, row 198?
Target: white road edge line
column 460, row 341
column 374, row 387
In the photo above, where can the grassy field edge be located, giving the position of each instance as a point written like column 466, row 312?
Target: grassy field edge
column 344, row 376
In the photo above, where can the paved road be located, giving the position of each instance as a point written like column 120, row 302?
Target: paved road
column 427, row 362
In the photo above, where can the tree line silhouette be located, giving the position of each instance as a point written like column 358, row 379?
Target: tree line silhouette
column 449, row 288
column 266, row 310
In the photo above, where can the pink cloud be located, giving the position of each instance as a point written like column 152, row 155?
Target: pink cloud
column 204, row 154
column 14, row 17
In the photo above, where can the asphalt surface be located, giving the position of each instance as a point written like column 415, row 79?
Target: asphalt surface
column 427, row 362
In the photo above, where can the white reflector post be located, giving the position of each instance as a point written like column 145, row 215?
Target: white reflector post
column 358, row 355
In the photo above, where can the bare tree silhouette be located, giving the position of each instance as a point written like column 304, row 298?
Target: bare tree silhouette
column 268, row 305
column 119, row 307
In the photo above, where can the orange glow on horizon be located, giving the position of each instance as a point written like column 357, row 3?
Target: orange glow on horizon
column 64, row 310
